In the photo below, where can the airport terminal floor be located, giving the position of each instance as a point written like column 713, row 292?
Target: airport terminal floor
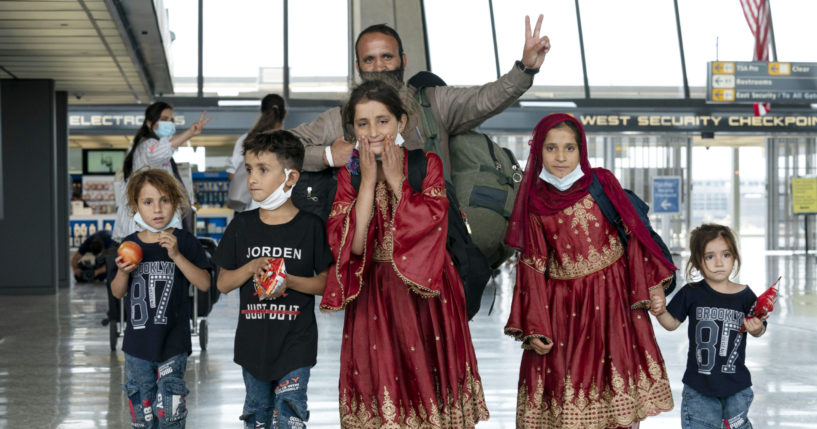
column 57, row 369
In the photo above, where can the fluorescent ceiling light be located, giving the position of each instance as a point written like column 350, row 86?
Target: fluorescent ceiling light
column 239, row 102
column 568, row 104
column 814, row 106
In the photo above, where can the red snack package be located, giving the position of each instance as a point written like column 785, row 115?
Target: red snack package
column 764, row 304
column 273, row 279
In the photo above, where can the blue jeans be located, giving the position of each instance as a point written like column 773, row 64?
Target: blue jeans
column 709, row 412
column 156, row 392
column 276, row 404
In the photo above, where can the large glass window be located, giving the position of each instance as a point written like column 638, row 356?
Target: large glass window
column 461, row 46
column 561, row 75
column 712, row 30
column 183, row 58
column 631, row 48
column 318, row 49
column 243, row 47
column 794, row 30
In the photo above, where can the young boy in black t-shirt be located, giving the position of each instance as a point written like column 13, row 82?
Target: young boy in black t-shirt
column 276, row 342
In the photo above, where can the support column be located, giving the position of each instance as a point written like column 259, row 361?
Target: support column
column 29, row 225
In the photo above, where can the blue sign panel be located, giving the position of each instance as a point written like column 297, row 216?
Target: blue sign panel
column 666, row 195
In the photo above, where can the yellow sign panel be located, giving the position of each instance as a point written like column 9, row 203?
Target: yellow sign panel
column 804, row 195
column 723, row 94
column 723, row 67
column 780, row 69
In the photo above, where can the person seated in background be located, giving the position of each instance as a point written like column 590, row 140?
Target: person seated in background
column 88, row 263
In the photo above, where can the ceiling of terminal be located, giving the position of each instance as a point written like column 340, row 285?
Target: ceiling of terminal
column 91, row 48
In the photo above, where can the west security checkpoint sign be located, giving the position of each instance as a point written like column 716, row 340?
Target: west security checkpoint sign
column 666, row 194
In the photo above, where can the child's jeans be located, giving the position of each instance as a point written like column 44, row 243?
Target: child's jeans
column 276, row 404
column 156, row 392
column 709, row 412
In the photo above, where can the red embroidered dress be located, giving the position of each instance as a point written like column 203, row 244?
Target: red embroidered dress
column 577, row 287
column 406, row 358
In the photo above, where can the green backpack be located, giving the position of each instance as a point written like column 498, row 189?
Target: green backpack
column 486, row 178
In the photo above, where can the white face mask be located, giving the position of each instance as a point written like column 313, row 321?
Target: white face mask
column 563, row 183
column 176, row 222
column 278, row 197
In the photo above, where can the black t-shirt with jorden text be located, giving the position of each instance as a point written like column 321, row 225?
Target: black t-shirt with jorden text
column 158, row 304
column 276, row 336
column 716, row 360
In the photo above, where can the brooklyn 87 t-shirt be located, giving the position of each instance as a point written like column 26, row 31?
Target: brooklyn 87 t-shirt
column 276, row 336
column 158, row 300
column 717, row 352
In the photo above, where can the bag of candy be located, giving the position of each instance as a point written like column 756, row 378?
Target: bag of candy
column 273, row 279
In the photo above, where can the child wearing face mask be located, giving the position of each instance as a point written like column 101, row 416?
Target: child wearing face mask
column 581, row 296
column 406, row 356
column 276, row 341
column 717, row 384
column 157, row 336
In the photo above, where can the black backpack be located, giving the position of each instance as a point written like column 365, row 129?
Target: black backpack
column 315, row 191
column 642, row 209
column 469, row 261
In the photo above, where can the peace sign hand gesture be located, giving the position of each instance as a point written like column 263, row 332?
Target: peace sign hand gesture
column 198, row 126
column 535, row 47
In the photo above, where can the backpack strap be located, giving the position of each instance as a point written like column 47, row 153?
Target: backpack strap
column 432, row 131
column 606, row 206
column 417, row 165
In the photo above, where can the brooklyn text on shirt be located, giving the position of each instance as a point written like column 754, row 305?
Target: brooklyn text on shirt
column 273, row 252
column 722, row 314
column 271, row 311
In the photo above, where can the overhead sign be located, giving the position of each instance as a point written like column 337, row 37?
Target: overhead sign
column 761, row 82
column 804, row 195
column 666, row 194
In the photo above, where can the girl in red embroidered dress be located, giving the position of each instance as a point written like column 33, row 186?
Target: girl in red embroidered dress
column 406, row 355
column 579, row 305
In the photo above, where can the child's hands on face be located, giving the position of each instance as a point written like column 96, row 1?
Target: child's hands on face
column 392, row 164
column 754, row 326
column 368, row 163
column 169, row 242
column 539, row 346
column 123, row 266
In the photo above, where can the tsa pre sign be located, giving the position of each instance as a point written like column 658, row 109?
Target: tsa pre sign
column 804, row 195
column 666, row 194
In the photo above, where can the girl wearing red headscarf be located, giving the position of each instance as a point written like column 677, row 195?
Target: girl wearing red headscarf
column 579, row 305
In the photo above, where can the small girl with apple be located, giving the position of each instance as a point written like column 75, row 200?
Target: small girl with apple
column 157, row 337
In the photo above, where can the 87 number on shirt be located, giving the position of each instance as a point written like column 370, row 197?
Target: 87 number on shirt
column 710, row 329
column 142, row 296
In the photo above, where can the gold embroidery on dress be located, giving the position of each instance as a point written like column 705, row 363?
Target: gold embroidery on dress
column 463, row 409
column 536, row 262
column 383, row 251
column 580, row 214
column 594, row 261
column 381, row 197
column 622, row 403
column 341, row 207
column 434, row 191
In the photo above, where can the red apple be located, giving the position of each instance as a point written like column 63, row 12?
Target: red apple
column 130, row 252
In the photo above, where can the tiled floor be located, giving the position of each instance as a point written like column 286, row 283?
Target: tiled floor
column 57, row 370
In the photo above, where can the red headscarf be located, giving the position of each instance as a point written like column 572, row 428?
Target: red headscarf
column 541, row 198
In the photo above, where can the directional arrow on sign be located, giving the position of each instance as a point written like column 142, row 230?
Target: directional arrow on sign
column 666, row 204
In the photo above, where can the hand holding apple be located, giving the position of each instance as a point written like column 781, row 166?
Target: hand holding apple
column 129, row 252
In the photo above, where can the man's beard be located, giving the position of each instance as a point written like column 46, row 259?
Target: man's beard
column 395, row 77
